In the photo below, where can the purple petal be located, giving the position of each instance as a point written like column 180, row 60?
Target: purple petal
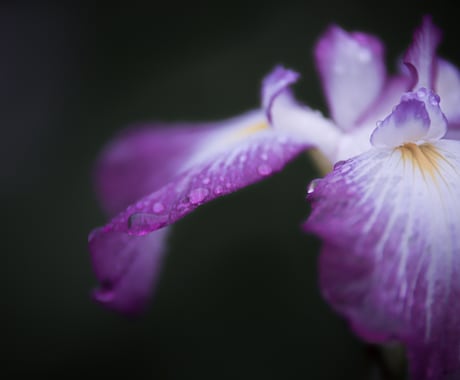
column 418, row 117
column 127, row 268
column 145, row 158
column 421, row 55
column 448, row 87
column 352, row 71
column 227, row 161
column 274, row 84
column 385, row 102
column 286, row 114
column 126, row 252
column 391, row 260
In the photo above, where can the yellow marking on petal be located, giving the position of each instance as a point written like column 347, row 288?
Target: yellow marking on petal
column 424, row 157
column 254, row 128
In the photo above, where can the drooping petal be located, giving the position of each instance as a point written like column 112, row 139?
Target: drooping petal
column 127, row 268
column 353, row 73
column 288, row 115
column 227, row 160
column 145, row 158
column 223, row 160
column 391, row 260
column 420, row 58
column 418, row 117
column 447, row 85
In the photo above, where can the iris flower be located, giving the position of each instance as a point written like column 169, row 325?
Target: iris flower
column 388, row 213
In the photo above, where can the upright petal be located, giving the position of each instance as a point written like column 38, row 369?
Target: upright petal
column 447, row 85
column 275, row 84
column 391, row 260
column 288, row 115
column 421, row 55
column 417, row 117
column 352, row 70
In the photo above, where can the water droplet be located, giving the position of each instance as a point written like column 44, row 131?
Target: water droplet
column 198, row 195
column 206, row 181
column 379, row 123
column 142, row 222
column 243, row 158
column 264, row 156
column 312, row 186
column 434, row 99
column 228, row 185
column 338, row 164
column 264, row 169
column 422, row 92
column 158, row 208
column 218, row 190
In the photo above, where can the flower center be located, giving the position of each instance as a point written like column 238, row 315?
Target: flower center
column 423, row 157
column 254, row 128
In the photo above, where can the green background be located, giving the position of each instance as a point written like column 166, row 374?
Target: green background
column 238, row 296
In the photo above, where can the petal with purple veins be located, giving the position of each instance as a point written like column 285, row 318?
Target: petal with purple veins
column 391, row 259
column 222, row 160
column 144, row 158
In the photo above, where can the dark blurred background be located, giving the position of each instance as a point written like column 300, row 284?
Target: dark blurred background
column 238, row 297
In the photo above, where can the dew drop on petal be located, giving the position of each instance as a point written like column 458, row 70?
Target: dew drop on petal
column 158, row 208
column 434, row 99
column 243, row 158
column 206, row 181
column 264, row 169
column 264, row 156
column 218, row 190
column 198, row 195
column 421, row 93
column 312, row 186
column 338, row 164
column 142, row 223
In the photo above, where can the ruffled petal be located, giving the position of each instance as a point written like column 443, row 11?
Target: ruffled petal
column 288, row 115
column 421, row 55
column 417, row 118
column 353, row 73
column 391, row 260
column 127, row 268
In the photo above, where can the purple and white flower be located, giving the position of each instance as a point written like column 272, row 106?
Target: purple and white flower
column 387, row 213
